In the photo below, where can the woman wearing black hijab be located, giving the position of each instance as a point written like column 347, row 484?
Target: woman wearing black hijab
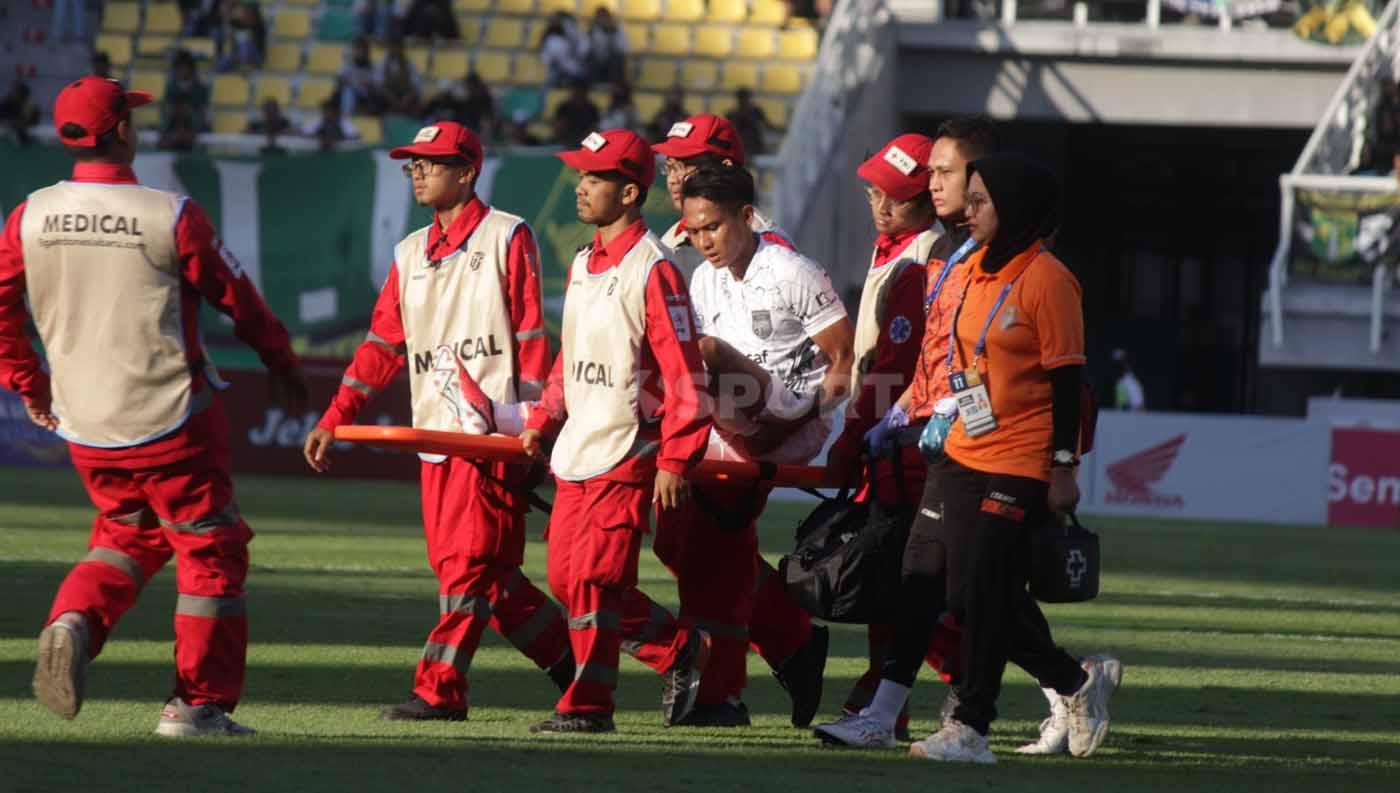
column 1015, row 359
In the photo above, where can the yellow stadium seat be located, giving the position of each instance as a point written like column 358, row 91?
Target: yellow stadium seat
column 469, row 27
column 529, row 70
column 721, row 105
column 292, row 23
column 472, row 5
column 283, row 58
column 739, row 75
column 152, row 46
column 325, row 58
column 638, row 36
column 121, row 18
column 517, row 7
column 776, row 110
column 699, row 75
column 548, row 7
column 199, row 48
column 163, row 18
column 279, row 88
column 450, row 64
column 418, row 56
column 370, row 128
column 229, row 122
column 657, row 74
column 728, row 12
column 117, row 46
column 505, row 34
column 494, row 67
column 781, row 80
column 151, row 82
column 641, row 10
column 648, row 104
column 542, row 130
column 314, row 91
column 552, row 100
column 589, row 7
column 797, row 45
column 230, row 90
column 146, row 116
column 714, row 42
column 773, row 13
column 670, row 40
column 754, row 43
column 685, row 10
column 300, row 2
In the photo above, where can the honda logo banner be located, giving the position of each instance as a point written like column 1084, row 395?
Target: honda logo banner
column 1363, row 480
column 1174, row 465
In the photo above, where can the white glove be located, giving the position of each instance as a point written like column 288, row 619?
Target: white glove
column 878, row 437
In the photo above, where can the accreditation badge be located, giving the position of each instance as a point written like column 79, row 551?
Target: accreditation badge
column 974, row 403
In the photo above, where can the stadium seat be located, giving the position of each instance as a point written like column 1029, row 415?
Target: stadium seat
column 157, row 47
column 151, row 82
column 121, row 18
column 300, row 2
column 638, row 36
column 670, row 40
column 199, row 48
column 797, row 45
column 754, row 43
column 494, row 67
column 371, row 130
column 146, row 117
column 589, row 7
column 641, row 10
column 685, row 10
column 292, row 23
column 776, row 110
column 336, row 25
column 314, row 91
column 419, row 57
column 542, row 130
column 505, row 34
column 728, row 12
column 529, row 70
column 283, row 58
column 469, row 28
column 721, row 104
column 517, row 7
column 714, row 42
column 773, row 13
column 657, row 74
column 781, row 80
column 648, row 104
column 163, row 18
column 739, row 75
column 324, row 58
column 553, row 100
column 450, row 64
column 279, row 88
column 117, row 46
column 476, row 6
column 548, row 7
column 699, row 75
column 230, row 122
column 230, row 90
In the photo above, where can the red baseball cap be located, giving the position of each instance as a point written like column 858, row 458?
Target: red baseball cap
column 442, row 139
column 618, row 150
column 900, row 168
column 97, row 104
column 702, row 134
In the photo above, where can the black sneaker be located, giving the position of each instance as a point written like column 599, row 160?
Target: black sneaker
column 417, row 709
column 801, row 676
column 723, row 714
column 562, row 673
column 575, row 722
column 681, row 683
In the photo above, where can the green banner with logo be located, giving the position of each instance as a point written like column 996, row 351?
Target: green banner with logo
column 316, row 232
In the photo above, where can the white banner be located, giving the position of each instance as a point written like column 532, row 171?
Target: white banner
column 1181, row 465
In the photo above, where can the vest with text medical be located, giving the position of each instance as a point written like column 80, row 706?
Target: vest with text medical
column 874, row 302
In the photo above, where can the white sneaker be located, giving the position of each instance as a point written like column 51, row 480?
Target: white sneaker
column 955, row 743
column 950, row 704
column 1054, row 731
column 181, row 720
column 60, row 676
column 859, row 731
column 1088, row 707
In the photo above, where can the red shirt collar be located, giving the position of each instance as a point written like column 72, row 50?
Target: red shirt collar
column 442, row 243
column 888, row 246
column 605, row 257
column 110, row 173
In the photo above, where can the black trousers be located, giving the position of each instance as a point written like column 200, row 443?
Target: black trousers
column 969, row 554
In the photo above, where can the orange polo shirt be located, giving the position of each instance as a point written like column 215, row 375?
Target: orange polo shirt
column 1040, row 327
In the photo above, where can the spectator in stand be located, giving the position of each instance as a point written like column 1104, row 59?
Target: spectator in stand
column 379, row 18
column 672, row 110
column 430, row 19
column 355, row 87
column 517, row 132
column 468, row 102
column 331, row 128
column 622, row 114
column 564, row 51
column 101, row 64
column 269, row 120
column 750, row 121
column 181, row 129
column 1385, row 126
column 607, row 49
column 184, row 87
column 397, row 82
column 242, row 42
column 576, row 116
column 1127, row 391
column 63, row 10
column 18, row 112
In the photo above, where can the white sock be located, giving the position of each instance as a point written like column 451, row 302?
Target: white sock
column 888, row 702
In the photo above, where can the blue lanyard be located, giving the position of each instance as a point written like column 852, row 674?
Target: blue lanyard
column 981, row 348
column 967, row 247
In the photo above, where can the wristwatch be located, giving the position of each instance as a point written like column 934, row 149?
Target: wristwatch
column 1063, row 458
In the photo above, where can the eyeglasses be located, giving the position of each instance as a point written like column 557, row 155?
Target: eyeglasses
column 679, row 169
column 422, row 168
column 877, row 197
column 975, row 202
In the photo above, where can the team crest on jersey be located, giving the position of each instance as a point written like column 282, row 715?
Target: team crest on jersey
column 762, row 324
column 1008, row 317
column 901, row 329
column 477, row 258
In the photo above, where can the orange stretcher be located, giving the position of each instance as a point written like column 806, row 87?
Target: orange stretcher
column 503, row 448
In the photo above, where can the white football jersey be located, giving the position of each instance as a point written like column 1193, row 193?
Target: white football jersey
column 771, row 316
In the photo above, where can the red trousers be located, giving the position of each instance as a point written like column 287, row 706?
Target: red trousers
column 475, row 531
column 146, row 515
column 595, row 539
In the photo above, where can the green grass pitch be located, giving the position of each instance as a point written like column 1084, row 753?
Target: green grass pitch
column 1257, row 658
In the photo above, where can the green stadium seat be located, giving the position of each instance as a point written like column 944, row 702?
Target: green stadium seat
column 336, row 25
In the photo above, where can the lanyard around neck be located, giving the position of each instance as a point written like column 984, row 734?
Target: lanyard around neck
column 981, row 348
column 958, row 255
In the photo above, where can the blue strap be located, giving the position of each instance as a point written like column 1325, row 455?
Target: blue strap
column 958, row 255
column 981, row 348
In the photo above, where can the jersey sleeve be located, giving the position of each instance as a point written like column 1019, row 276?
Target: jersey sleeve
column 21, row 370
column 377, row 360
column 811, row 297
column 1059, row 318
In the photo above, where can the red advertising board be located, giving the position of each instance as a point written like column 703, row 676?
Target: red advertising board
column 1363, row 481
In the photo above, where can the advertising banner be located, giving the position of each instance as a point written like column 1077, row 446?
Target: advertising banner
column 22, row 442
column 1363, row 480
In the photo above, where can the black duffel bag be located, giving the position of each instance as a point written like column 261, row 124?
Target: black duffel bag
column 1064, row 562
